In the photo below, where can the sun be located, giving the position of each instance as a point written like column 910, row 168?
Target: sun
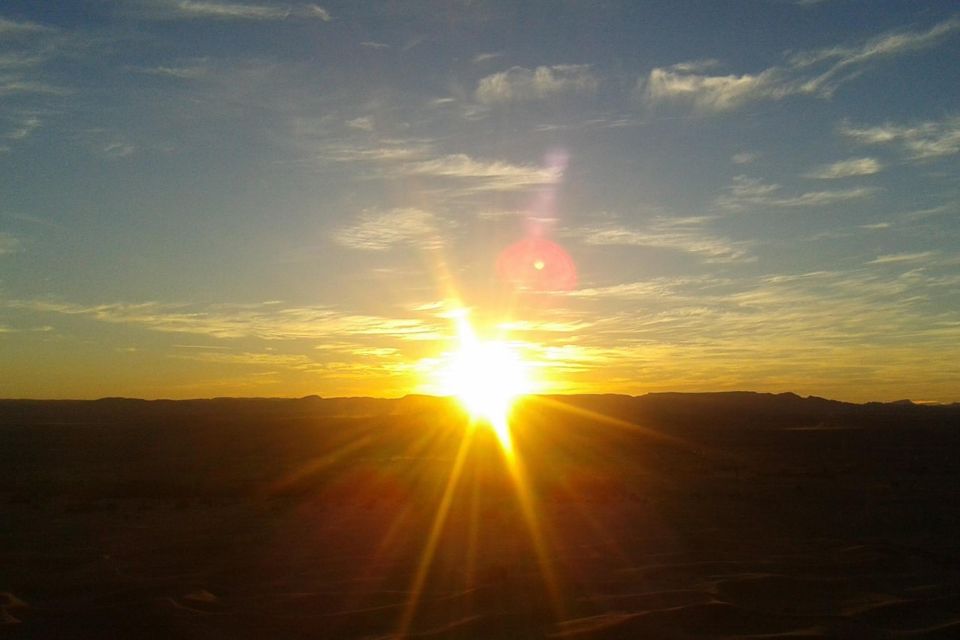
column 486, row 376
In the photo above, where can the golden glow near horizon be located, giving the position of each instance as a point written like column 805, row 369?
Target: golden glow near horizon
column 486, row 376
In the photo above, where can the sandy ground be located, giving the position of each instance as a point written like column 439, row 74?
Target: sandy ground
column 770, row 533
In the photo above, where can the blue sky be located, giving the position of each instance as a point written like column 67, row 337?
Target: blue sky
column 202, row 197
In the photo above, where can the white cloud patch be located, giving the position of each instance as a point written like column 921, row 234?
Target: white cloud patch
column 378, row 231
column 922, row 141
column 712, row 93
column 746, row 192
column 819, row 72
column 520, row 84
column 362, row 123
column 744, row 157
column 847, row 168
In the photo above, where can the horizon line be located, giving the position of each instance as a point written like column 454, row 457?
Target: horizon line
column 903, row 401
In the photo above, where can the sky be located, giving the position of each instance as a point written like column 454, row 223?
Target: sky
column 210, row 197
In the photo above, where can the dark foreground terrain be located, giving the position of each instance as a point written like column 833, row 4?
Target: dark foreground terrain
column 664, row 516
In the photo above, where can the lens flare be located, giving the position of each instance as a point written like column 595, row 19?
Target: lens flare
column 537, row 264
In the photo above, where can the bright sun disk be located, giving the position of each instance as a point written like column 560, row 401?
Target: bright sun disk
column 486, row 376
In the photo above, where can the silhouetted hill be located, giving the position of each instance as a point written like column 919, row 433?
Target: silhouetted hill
column 122, row 447
column 125, row 410
column 747, row 409
column 735, row 408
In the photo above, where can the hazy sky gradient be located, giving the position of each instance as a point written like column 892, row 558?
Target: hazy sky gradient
column 212, row 197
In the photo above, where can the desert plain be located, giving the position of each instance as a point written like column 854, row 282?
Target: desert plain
column 734, row 515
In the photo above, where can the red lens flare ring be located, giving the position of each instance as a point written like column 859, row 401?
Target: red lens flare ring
column 537, row 264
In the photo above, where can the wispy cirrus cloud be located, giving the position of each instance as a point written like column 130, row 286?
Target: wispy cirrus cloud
column 381, row 230
column 14, row 28
column 818, row 72
column 662, row 288
column 903, row 258
column 419, row 158
column 217, row 10
column 189, row 72
column 882, row 46
column 384, row 151
column 27, row 48
column 264, row 321
column 33, row 220
column 9, row 243
column 921, row 141
column 296, row 362
column 847, row 168
column 22, row 126
column 520, row 84
column 106, row 143
column 482, row 175
column 746, row 192
column 486, row 57
column 679, row 234
column 868, row 323
column 12, row 84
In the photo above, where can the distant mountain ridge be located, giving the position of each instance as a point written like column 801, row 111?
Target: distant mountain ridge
column 744, row 408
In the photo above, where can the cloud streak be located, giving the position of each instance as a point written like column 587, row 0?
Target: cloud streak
column 847, row 168
column 14, row 28
column 747, row 193
column 923, row 141
column 482, row 175
column 417, row 158
column 9, row 243
column 215, row 10
column 819, row 72
column 264, row 321
column 903, row 258
column 870, row 324
column 669, row 233
column 379, row 231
